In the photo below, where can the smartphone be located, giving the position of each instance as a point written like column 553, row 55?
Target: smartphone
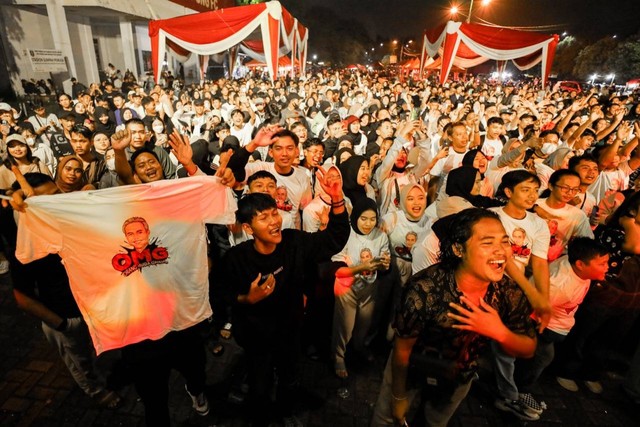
column 263, row 279
column 415, row 114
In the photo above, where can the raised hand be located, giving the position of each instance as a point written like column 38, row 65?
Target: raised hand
column 121, row 139
column 331, row 182
column 181, row 148
column 265, row 136
column 226, row 175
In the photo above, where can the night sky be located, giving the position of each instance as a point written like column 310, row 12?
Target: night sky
column 406, row 18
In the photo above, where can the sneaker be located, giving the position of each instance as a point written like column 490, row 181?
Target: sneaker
column 567, row 384
column 594, row 386
column 517, row 408
column 4, row 264
column 292, row 421
column 199, row 403
column 528, row 401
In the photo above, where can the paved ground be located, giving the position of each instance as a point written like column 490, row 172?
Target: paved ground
column 36, row 390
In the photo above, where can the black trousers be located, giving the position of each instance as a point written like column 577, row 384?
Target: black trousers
column 150, row 363
column 270, row 349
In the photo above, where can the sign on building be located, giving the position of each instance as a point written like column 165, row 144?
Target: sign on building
column 205, row 5
column 47, row 60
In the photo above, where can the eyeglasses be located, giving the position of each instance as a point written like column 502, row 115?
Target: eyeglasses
column 567, row 189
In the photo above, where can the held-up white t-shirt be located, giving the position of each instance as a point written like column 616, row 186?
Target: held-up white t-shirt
column 127, row 295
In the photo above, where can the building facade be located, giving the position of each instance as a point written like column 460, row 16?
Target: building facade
column 60, row 39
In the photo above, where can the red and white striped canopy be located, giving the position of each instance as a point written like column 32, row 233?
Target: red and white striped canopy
column 263, row 31
column 467, row 45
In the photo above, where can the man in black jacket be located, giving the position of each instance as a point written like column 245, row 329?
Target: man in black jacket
column 264, row 281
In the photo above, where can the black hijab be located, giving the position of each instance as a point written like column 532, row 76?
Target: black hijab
column 349, row 170
column 339, row 153
column 108, row 128
column 362, row 205
column 460, row 182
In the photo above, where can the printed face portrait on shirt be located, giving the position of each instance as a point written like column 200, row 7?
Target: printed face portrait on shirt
column 136, row 232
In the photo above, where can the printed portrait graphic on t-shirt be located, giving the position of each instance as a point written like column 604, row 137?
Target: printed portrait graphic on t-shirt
column 519, row 245
column 365, row 256
column 282, row 199
column 141, row 251
column 404, row 251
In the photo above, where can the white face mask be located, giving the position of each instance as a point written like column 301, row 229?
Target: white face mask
column 111, row 164
column 548, row 148
column 158, row 129
column 31, row 141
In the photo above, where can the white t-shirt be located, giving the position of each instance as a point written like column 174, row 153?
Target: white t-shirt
column 362, row 247
column 244, row 134
column 492, row 148
column 566, row 292
column 528, row 236
column 297, row 184
column 425, row 252
column 404, row 234
column 127, row 295
column 444, row 166
column 611, row 181
column 571, row 222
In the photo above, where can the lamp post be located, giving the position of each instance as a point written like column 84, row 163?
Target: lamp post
column 455, row 9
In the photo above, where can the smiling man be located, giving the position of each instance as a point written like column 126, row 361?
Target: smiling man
column 448, row 314
column 283, row 148
column 264, row 279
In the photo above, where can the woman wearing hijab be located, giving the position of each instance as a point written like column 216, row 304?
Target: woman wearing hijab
column 476, row 159
column 103, row 122
column 404, row 229
column 355, row 178
column 557, row 160
column 366, row 253
column 70, row 176
column 463, row 184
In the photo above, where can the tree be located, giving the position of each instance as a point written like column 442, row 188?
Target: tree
column 595, row 58
column 566, row 54
column 625, row 59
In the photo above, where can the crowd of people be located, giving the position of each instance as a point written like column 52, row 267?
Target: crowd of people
column 452, row 222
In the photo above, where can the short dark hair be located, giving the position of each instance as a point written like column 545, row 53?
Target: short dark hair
column 35, row 179
column 147, row 100
column 333, row 120
column 549, row 132
column 515, row 177
column 495, row 119
column 287, row 132
column 575, row 161
column 584, row 249
column 561, row 173
column 311, row 142
column 455, row 125
column 134, row 156
column 260, row 174
column 133, row 121
column 82, row 130
column 460, row 232
column 250, row 204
